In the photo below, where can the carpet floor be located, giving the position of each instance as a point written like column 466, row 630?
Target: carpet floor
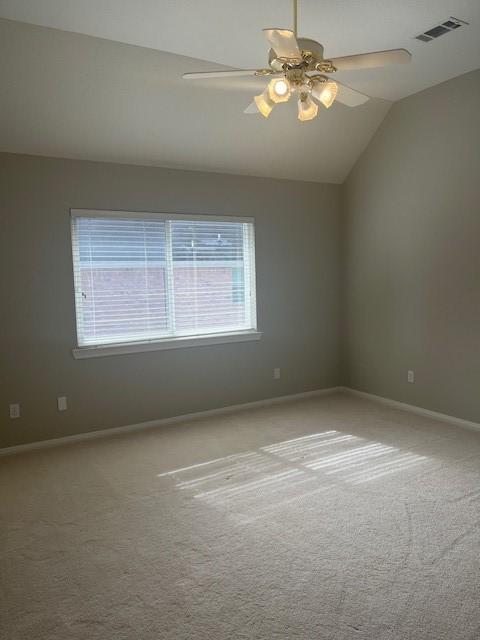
column 332, row 517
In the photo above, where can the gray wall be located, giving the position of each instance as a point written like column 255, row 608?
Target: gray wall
column 297, row 242
column 412, row 253
column 408, row 296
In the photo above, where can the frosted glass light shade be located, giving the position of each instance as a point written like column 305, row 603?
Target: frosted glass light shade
column 264, row 103
column 279, row 90
column 326, row 93
column 307, row 109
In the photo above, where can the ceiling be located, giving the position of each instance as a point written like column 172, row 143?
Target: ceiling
column 102, row 98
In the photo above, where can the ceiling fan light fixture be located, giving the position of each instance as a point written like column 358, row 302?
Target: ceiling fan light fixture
column 298, row 65
column 307, row 109
column 327, row 93
column 279, row 90
column 264, row 103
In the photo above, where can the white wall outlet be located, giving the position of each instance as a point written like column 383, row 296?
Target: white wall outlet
column 411, row 376
column 276, row 373
column 14, row 411
column 62, row 403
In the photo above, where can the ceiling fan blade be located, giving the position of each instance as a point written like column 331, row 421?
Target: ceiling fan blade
column 350, row 97
column 283, row 42
column 252, row 108
column 372, row 60
column 204, row 75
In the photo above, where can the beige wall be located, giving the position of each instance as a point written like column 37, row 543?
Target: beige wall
column 412, row 253
column 297, row 241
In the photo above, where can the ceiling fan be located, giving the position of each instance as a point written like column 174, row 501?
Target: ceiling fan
column 297, row 65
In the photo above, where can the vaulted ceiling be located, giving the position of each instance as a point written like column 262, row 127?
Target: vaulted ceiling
column 101, row 79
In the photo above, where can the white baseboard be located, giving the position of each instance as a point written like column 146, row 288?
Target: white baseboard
column 104, row 433
column 443, row 417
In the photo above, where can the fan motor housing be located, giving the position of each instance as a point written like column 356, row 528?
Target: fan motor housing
column 312, row 53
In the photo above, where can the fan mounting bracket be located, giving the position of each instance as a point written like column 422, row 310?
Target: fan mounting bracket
column 324, row 66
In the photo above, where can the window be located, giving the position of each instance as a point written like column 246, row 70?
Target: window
column 143, row 278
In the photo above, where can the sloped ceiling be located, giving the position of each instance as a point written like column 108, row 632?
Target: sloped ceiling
column 119, row 96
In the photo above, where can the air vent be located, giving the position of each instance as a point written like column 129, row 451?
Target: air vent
column 441, row 29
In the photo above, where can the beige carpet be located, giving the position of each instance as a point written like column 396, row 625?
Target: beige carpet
column 330, row 518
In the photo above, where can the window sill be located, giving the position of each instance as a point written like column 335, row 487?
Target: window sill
column 167, row 343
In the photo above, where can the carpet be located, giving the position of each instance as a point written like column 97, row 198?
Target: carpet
column 331, row 517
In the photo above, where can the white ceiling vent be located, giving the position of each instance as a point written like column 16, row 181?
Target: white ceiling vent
column 441, row 29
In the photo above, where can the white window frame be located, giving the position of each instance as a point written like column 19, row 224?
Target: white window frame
column 169, row 342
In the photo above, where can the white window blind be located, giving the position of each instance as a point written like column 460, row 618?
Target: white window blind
column 144, row 278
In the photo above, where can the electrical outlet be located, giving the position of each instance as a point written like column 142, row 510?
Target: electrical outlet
column 276, row 373
column 62, row 403
column 14, row 411
column 411, row 376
